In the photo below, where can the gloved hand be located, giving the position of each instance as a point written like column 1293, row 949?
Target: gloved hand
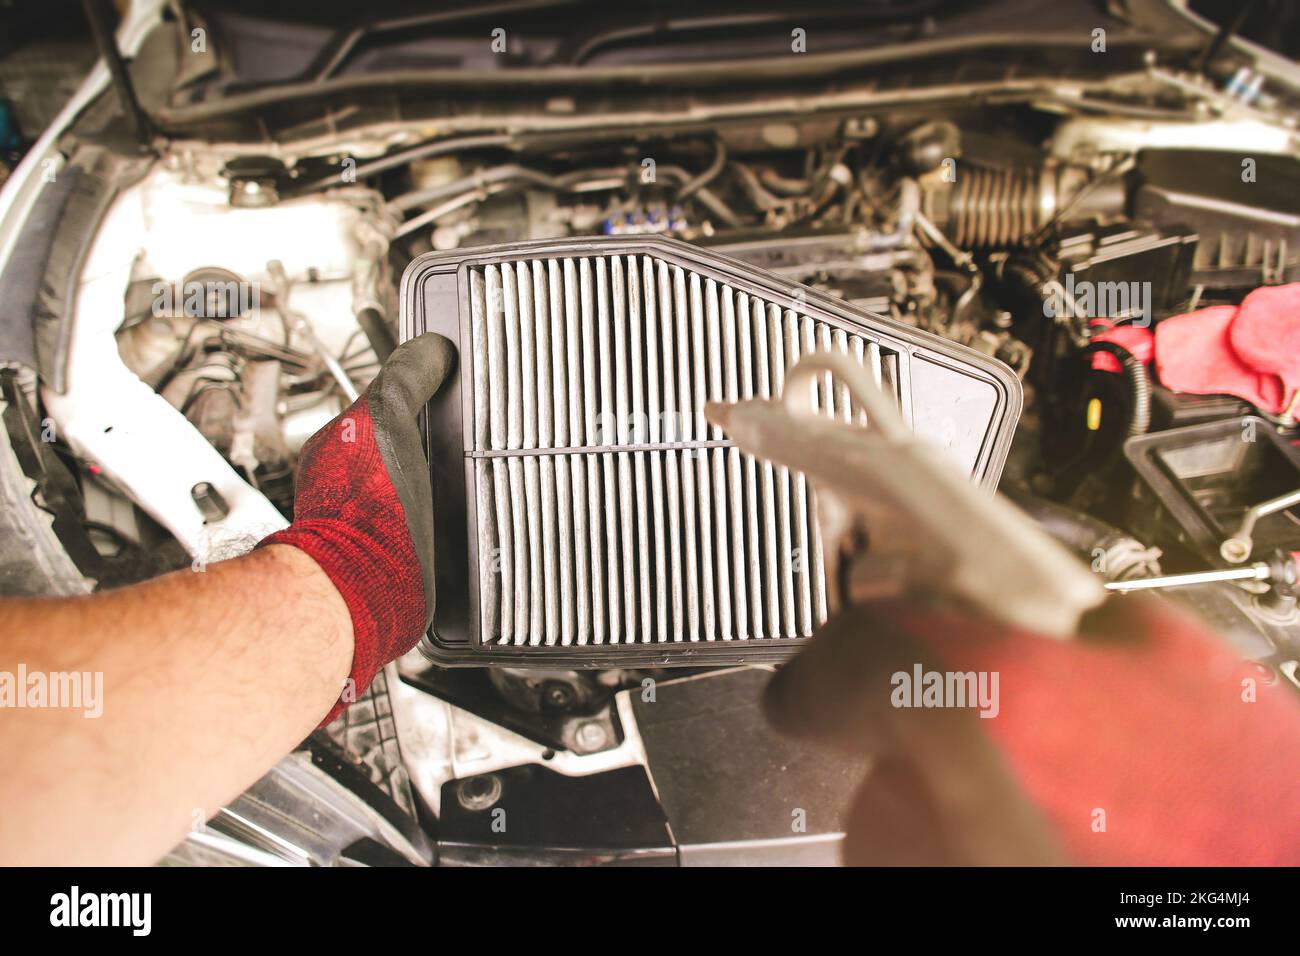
column 1143, row 742
column 364, row 509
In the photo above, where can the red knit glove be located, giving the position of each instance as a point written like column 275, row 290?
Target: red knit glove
column 1144, row 742
column 364, row 510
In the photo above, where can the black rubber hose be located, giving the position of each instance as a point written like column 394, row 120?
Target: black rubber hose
column 708, row 176
column 1139, row 384
column 1088, row 537
column 510, row 172
column 1074, row 529
column 703, row 195
column 401, row 157
column 377, row 332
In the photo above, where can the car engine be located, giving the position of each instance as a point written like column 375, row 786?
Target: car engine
column 254, row 311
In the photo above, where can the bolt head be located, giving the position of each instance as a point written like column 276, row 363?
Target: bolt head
column 591, row 736
column 479, row 793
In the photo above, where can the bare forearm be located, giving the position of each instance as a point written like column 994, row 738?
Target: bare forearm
column 207, row 679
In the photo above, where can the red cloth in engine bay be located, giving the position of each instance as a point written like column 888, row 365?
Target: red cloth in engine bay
column 1251, row 351
column 1266, row 336
column 1194, row 354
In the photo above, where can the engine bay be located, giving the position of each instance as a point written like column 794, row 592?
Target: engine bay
column 256, row 314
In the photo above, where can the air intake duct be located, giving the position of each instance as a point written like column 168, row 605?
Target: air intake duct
column 987, row 207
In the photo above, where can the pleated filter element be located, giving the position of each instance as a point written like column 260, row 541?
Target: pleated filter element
column 608, row 511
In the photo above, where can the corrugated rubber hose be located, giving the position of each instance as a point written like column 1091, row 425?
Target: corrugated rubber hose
column 1139, row 384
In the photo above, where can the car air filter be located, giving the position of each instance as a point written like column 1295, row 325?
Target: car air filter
column 585, row 513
